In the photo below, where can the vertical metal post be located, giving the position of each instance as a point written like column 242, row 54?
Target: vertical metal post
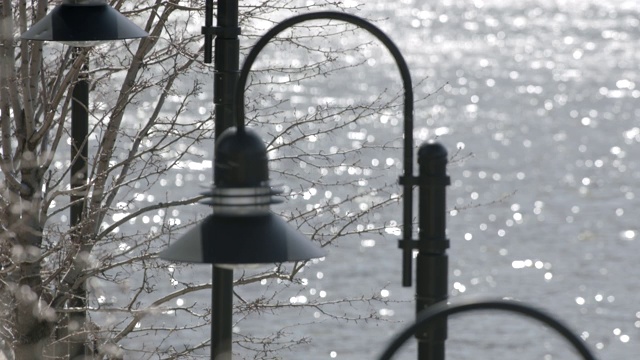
column 79, row 173
column 432, row 261
column 222, row 314
column 79, row 143
column 226, row 65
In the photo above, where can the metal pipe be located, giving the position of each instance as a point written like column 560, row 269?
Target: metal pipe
column 79, row 143
column 78, row 182
column 222, row 314
column 226, row 64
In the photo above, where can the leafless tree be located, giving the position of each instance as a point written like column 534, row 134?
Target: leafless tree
column 97, row 289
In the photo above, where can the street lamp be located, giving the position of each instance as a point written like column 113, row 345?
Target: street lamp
column 241, row 196
column 81, row 23
column 242, row 229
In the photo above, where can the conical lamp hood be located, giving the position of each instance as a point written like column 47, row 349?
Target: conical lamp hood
column 90, row 21
column 238, row 240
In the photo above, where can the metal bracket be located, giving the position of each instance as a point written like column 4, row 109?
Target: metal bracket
column 408, row 180
column 210, row 32
column 433, row 246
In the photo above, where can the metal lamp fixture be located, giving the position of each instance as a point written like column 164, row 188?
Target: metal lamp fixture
column 83, row 23
column 242, row 229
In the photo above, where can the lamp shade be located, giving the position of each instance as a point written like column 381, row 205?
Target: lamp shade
column 83, row 23
column 240, row 240
column 242, row 229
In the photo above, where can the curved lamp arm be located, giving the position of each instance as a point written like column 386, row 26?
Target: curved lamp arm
column 408, row 107
column 443, row 309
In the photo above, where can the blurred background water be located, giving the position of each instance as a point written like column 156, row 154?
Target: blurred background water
column 539, row 109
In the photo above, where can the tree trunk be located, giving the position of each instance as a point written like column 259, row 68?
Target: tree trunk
column 32, row 325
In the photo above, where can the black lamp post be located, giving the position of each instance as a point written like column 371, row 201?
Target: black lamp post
column 81, row 23
column 241, row 196
column 226, row 63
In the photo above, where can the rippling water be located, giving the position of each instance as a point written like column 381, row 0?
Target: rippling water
column 540, row 98
column 543, row 95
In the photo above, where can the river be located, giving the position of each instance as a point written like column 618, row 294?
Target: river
column 539, row 102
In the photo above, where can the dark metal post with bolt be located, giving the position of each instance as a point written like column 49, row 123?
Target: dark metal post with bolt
column 432, row 261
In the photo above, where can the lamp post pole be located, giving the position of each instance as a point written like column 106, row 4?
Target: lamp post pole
column 78, row 182
column 432, row 265
column 226, row 63
column 79, row 143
